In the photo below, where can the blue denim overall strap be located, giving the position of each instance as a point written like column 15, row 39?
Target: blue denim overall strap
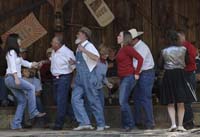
column 84, row 86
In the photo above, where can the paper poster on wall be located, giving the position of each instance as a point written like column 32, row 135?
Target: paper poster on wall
column 29, row 29
column 100, row 11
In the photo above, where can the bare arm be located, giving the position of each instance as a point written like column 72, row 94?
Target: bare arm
column 88, row 53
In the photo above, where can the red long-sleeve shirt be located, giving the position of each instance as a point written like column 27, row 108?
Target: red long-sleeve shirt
column 124, row 60
column 192, row 51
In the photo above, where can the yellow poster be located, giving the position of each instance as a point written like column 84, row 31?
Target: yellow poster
column 100, row 11
column 29, row 30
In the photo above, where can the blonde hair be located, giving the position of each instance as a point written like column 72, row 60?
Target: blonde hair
column 127, row 38
column 103, row 49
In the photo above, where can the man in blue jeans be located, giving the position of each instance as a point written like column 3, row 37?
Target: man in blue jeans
column 62, row 75
column 85, row 84
column 190, row 73
column 143, row 88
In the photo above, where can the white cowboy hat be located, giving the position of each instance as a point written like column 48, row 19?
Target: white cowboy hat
column 135, row 33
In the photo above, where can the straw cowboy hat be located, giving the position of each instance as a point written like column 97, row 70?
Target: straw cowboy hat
column 135, row 33
column 87, row 31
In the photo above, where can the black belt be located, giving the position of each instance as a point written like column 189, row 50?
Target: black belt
column 148, row 70
column 61, row 75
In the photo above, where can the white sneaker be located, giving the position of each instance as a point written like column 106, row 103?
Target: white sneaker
column 172, row 128
column 84, row 127
column 107, row 127
column 181, row 129
column 100, row 129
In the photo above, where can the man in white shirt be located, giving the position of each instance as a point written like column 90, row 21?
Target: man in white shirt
column 61, row 70
column 143, row 88
column 85, row 83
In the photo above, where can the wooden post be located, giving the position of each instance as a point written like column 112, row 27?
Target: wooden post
column 58, row 15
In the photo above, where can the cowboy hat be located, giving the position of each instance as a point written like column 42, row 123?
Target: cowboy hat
column 87, row 31
column 135, row 33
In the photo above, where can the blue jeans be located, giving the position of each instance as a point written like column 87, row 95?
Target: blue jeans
column 101, row 97
column 78, row 98
column 126, row 85
column 23, row 93
column 102, row 100
column 61, row 88
column 39, row 104
column 85, row 86
column 188, row 116
column 143, row 98
column 3, row 89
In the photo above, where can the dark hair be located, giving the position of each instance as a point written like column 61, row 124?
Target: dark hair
column 12, row 44
column 127, row 38
column 172, row 37
column 181, row 31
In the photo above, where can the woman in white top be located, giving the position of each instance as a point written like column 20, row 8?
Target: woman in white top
column 22, row 90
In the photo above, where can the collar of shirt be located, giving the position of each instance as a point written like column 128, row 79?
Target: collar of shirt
column 137, row 44
column 60, row 49
column 84, row 43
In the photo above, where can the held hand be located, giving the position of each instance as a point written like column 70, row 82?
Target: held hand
column 38, row 93
column 41, row 63
column 137, row 77
column 17, row 81
column 81, row 48
column 71, row 61
column 35, row 65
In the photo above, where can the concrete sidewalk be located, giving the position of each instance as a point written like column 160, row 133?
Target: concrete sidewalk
column 107, row 133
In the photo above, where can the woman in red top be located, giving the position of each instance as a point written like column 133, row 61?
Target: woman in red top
column 128, row 74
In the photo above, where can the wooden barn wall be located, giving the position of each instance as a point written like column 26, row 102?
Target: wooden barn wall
column 154, row 17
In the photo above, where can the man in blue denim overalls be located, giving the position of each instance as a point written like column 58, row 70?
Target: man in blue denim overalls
column 85, row 83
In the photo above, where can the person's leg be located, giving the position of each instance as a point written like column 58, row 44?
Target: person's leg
column 188, row 117
column 77, row 102
column 181, row 111
column 63, row 84
column 137, row 106
column 21, row 105
column 95, row 104
column 172, row 115
column 39, row 104
column 125, row 88
column 101, row 97
column 146, row 84
column 29, row 90
column 21, row 102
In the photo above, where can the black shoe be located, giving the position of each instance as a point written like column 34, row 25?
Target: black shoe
column 126, row 129
column 27, row 126
column 149, row 127
column 57, row 128
column 140, row 126
column 189, row 125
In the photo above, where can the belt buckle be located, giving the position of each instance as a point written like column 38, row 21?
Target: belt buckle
column 57, row 77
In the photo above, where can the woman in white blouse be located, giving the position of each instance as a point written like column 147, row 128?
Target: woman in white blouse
column 22, row 90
